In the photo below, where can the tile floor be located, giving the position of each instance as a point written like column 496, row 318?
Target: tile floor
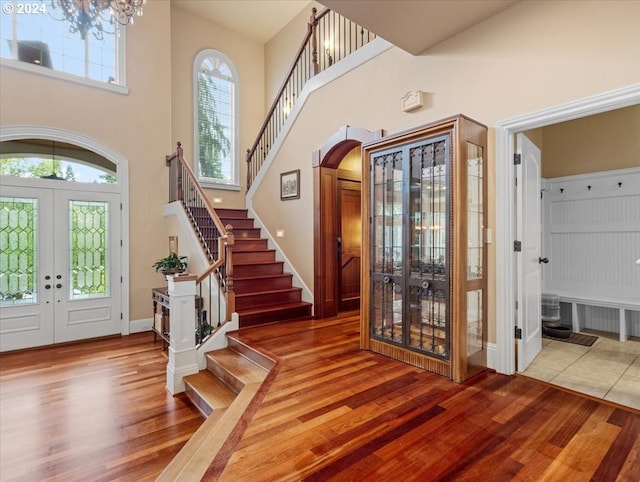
column 608, row 369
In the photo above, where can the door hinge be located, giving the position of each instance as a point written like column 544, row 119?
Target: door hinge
column 120, row 206
column 517, row 159
column 121, row 243
column 518, row 333
column 121, row 279
column 121, row 316
column 517, row 246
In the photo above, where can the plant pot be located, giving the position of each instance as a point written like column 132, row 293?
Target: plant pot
column 172, row 271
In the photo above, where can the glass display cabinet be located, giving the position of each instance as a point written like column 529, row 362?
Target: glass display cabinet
column 424, row 259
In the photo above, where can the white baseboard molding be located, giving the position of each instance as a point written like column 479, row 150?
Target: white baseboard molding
column 491, row 355
column 138, row 326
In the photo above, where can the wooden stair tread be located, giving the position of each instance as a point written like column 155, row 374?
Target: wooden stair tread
column 211, row 389
column 237, row 366
column 270, row 308
column 268, row 292
column 251, row 263
column 262, row 276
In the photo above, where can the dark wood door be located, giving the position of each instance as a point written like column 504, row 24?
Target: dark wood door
column 349, row 245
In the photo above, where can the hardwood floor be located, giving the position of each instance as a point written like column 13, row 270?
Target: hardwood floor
column 328, row 412
column 90, row 411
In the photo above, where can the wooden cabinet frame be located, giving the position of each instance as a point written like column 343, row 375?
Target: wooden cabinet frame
column 461, row 350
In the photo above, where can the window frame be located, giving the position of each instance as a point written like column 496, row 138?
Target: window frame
column 234, row 183
column 119, row 86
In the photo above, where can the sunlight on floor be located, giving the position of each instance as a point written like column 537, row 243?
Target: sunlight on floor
column 608, row 369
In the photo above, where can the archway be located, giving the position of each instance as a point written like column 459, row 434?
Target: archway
column 327, row 215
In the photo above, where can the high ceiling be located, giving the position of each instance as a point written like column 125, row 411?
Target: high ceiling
column 413, row 25
column 257, row 19
column 416, row 25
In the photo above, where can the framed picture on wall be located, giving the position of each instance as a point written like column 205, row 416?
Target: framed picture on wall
column 290, row 185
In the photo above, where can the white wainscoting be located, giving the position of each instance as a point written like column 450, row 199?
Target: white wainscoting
column 591, row 235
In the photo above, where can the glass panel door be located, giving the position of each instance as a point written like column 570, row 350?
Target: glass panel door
column 59, row 269
column 387, row 246
column 26, row 267
column 428, row 254
column 87, row 266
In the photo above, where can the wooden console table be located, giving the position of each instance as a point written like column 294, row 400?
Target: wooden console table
column 161, row 314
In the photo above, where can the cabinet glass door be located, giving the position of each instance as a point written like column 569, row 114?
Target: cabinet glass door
column 410, row 276
column 475, row 248
column 387, row 246
column 428, row 253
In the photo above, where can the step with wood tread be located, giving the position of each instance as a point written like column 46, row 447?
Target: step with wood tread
column 207, row 392
column 234, row 369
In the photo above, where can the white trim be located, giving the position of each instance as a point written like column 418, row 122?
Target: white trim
column 140, row 326
column 491, row 356
column 505, row 212
column 234, row 185
column 10, row 133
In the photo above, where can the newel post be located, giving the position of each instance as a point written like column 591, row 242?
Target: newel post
column 313, row 25
column 182, row 345
column 231, row 295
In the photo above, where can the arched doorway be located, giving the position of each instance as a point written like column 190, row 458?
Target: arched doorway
column 63, row 238
column 337, row 221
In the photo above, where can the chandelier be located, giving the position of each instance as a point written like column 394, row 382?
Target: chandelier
column 87, row 16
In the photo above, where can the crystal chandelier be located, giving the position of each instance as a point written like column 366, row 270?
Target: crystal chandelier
column 87, row 16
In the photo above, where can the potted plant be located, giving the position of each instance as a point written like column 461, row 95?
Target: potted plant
column 171, row 264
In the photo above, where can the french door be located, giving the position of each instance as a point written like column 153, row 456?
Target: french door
column 59, row 266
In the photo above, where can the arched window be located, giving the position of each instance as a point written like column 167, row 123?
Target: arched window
column 215, row 120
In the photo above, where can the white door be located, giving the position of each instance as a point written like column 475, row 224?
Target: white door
column 528, row 226
column 59, row 266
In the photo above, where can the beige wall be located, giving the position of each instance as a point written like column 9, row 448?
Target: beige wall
column 602, row 142
column 190, row 35
column 136, row 125
column 529, row 57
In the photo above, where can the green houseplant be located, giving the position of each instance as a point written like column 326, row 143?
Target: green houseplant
column 171, row 264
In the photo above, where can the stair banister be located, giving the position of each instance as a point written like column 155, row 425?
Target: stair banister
column 179, row 155
column 276, row 109
column 184, row 188
column 339, row 37
column 225, row 248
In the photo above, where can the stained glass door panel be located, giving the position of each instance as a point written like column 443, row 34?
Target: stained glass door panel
column 87, row 271
column 58, row 265
column 26, row 268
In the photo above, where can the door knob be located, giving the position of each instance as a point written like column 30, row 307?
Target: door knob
column 543, row 260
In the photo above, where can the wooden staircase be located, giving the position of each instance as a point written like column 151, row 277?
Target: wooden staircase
column 222, row 392
column 264, row 293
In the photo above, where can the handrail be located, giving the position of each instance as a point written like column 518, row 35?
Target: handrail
column 216, row 240
column 179, row 156
column 339, row 38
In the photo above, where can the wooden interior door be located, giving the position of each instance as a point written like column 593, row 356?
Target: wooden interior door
column 349, row 244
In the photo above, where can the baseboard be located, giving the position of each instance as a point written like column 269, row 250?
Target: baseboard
column 138, row 326
column 491, row 355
